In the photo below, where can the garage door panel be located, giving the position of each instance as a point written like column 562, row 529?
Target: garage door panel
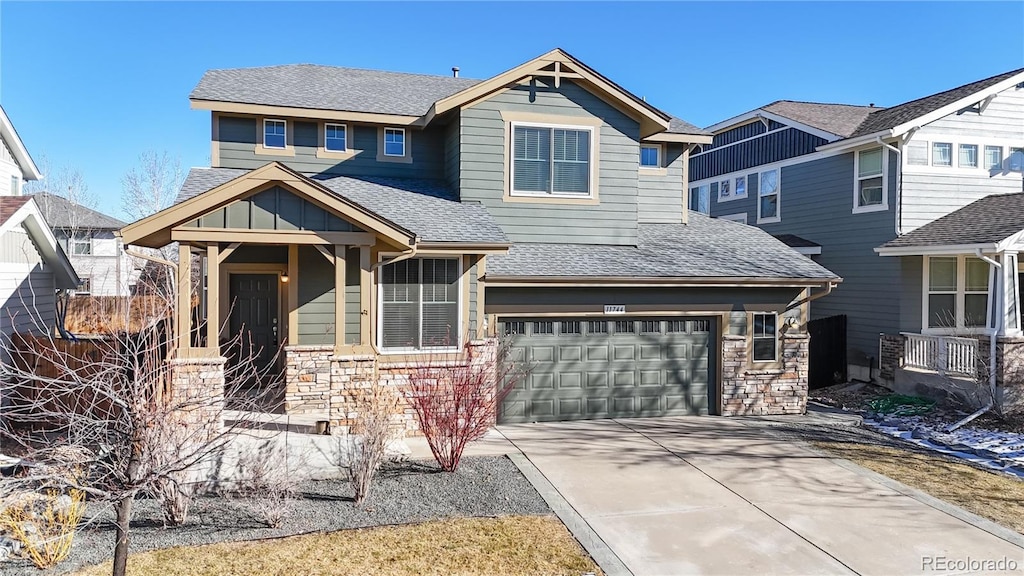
column 600, row 369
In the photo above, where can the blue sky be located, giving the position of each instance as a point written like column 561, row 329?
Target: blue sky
column 92, row 85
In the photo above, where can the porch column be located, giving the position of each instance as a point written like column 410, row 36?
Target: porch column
column 1009, row 297
column 365, row 296
column 339, row 296
column 213, row 297
column 183, row 312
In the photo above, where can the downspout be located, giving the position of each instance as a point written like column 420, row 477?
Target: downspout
column 899, row 185
column 828, row 290
column 996, row 329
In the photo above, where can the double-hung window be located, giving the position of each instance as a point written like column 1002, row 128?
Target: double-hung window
column 394, row 142
column 80, row 244
column 274, row 134
column 957, row 292
column 650, row 156
column 420, row 304
column 993, row 157
column 765, row 337
column 700, row 199
column 768, row 196
column 335, row 137
column 551, row 160
column 870, row 181
column 942, row 154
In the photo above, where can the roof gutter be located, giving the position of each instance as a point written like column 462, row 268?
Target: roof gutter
column 943, row 250
column 828, row 290
column 858, row 141
column 647, row 282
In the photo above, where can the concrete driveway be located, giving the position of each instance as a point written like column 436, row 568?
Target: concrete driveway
column 711, row 495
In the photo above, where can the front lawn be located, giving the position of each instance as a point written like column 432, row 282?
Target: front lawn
column 509, row 545
column 998, row 497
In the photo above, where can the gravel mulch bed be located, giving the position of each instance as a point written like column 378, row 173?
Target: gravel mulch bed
column 404, row 492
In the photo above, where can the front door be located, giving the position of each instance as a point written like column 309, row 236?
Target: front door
column 254, row 319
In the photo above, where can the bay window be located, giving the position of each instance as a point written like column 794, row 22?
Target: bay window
column 956, row 292
column 551, row 160
column 420, row 304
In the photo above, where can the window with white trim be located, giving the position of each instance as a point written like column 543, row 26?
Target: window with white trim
column 335, row 137
column 275, row 133
column 956, row 292
column 700, row 199
column 917, row 153
column 993, row 157
column 551, row 160
column 80, row 244
column 870, row 180
column 942, row 154
column 84, row 286
column 725, row 190
column 741, row 187
column 968, row 157
column 765, row 337
column 420, row 304
column 768, row 196
column 650, row 156
column 394, row 141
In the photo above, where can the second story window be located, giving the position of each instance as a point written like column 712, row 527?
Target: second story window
column 394, row 142
column 942, row 154
column 551, row 160
column 700, row 199
column 274, row 134
column 993, row 157
column 335, row 137
column 650, row 156
column 768, row 197
column 79, row 244
column 968, row 156
column 870, row 180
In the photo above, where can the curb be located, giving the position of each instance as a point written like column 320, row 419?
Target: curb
column 602, row 554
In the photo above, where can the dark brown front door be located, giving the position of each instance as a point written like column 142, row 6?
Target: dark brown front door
column 254, row 318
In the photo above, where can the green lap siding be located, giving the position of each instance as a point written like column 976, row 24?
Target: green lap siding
column 316, row 298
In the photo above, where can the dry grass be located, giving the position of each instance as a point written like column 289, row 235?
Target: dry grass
column 511, row 545
column 994, row 496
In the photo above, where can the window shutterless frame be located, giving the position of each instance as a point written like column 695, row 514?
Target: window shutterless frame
column 551, row 161
column 379, row 337
column 276, row 130
column 650, row 156
column 769, row 185
column 764, row 337
column 867, row 180
column 958, row 296
column 335, row 137
column 394, row 142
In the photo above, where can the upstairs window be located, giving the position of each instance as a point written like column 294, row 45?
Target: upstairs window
column 15, row 186
column 917, row 154
column 741, row 187
column 993, row 157
column 768, row 197
column 765, row 339
column 80, row 244
column 700, row 199
column 394, row 142
column 335, row 137
column 650, row 156
column 870, row 192
column 274, row 134
column 551, row 160
column 420, row 304
column 968, row 156
column 942, row 154
column 1017, row 159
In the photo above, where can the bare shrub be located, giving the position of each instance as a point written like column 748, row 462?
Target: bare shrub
column 366, row 443
column 44, row 524
column 456, row 401
column 264, row 479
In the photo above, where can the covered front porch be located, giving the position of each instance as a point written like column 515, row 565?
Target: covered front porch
column 292, row 277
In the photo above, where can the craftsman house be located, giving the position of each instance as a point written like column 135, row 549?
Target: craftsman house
column 366, row 221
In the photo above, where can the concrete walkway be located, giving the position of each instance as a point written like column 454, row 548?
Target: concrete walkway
column 711, row 495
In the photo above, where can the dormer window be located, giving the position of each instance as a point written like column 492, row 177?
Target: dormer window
column 553, row 160
column 274, row 134
column 650, row 156
column 335, row 137
column 394, row 142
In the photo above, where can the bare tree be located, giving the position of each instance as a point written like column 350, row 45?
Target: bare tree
column 118, row 410
column 365, row 445
column 151, row 186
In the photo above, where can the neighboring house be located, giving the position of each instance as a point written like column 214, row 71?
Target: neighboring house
column 88, row 238
column 16, row 166
column 374, row 222
column 33, row 269
column 960, row 284
column 837, row 181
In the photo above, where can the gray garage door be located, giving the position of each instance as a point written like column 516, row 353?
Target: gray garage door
column 608, row 368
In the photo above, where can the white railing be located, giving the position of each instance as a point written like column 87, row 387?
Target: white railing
column 943, row 354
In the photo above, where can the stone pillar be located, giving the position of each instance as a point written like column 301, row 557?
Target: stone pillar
column 197, row 384
column 308, row 380
column 350, row 374
column 746, row 391
column 891, row 349
column 734, row 365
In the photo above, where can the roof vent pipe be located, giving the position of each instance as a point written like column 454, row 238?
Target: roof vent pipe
column 455, row 71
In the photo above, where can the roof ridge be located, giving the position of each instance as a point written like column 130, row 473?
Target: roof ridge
column 940, row 92
column 348, row 68
column 825, row 104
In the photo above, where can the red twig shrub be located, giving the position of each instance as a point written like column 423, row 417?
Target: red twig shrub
column 456, row 399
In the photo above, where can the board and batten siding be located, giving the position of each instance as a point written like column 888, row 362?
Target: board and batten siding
column 483, row 178
column 27, row 289
column 780, row 144
column 816, row 203
column 660, row 197
column 237, row 137
column 274, row 209
column 930, row 192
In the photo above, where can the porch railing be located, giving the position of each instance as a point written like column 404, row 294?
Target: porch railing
column 943, row 354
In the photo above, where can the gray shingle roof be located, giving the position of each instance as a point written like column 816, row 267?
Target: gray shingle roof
column 891, row 117
column 703, row 248
column 680, row 126
column 329, row 88
column 839, row 119
column 60, row 212
column 989, row 220
column 425, row 207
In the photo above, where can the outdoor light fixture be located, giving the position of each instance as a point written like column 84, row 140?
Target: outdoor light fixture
column 284, row 278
